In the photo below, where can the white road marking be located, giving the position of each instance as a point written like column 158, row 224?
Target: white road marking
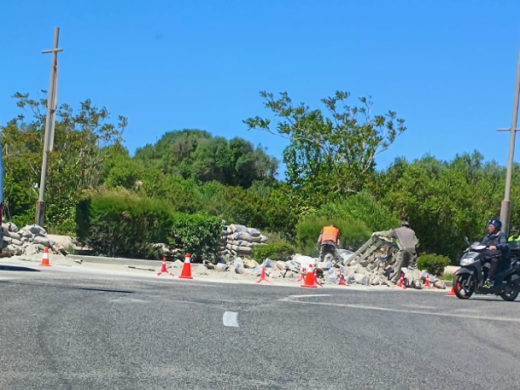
column 425, row 313
column 230, row 319
column 309, row 295
column 127, row 300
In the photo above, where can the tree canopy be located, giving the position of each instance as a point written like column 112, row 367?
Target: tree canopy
column 331, row 160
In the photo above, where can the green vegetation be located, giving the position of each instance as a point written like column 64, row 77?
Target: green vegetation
column 433, row 263
column 276, row 251
column 178, row 190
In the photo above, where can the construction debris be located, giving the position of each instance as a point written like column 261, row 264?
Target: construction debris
column 29, row 240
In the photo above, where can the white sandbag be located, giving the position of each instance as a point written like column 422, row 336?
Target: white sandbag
column 263, row 239
column 242, row 243
column 238, row 228
column 245, row 236
column 41, row 240
column 16, row 236
column 14, row 250
column 35, row 229
column 244, row 249
column 304, row 261
column 256, row 239
column 8, row 239
column 360, row 279
column 17, row 242
column 254, row 232
column 11, row 227
column 27, row 234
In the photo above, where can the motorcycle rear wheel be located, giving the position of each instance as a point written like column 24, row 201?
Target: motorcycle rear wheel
column 511, row 296
column 461, row 288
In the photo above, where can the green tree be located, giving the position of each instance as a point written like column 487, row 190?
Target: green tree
column 75, row 164
column 329, row 154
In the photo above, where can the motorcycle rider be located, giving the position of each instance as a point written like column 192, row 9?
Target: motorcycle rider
column 496, row 241
column 329, row 239
column 516, row 234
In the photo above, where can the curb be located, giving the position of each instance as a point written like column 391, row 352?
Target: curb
column 116, row 260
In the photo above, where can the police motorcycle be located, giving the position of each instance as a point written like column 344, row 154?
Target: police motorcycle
column 469, row 278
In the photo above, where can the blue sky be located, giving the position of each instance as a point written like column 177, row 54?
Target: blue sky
column 446, row 66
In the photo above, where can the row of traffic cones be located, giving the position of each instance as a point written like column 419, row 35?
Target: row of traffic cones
column 186, row 269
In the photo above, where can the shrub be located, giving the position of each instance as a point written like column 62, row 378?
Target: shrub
column 433, row 263
column 197, row 234
column 360, row 207
column 122, row 225
column 275, row 251
column 353, row 233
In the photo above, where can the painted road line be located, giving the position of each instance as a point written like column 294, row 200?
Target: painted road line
column 230, row 319
column 387, row 309
column 310, row 295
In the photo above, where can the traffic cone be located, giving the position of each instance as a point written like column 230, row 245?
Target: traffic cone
column 164, row 270
column 427, row 283
column 451, row 293
column 262, row 277
column 401, row 282
column 186, row 269
column 310, row 279
column 45, row 258
column 302, row 276
column 342, row 280
column 316, row 282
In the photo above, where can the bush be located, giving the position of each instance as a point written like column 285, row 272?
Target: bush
column 198, row 235
column 275, row 251
column 353, row 233
column 360, row 207
column 433, row 263
column 123, row 225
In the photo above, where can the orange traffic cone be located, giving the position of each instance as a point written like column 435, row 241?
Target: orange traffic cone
column 310, row 279
column 262, row 277
column 186, row 269
column 302, row 276
column 452, row 292
column 45, row 258
column 164, row 270
column 401, row 282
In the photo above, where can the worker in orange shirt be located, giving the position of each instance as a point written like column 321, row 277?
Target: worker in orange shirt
column 328, row 241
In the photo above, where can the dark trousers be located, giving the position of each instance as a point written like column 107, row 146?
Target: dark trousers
column 494, row 257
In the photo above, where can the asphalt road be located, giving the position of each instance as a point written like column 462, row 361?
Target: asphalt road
column 63, row 330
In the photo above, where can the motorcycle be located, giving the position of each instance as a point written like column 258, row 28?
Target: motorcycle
column 469, row 278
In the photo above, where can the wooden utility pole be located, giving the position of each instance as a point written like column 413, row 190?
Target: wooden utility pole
column 49, row 127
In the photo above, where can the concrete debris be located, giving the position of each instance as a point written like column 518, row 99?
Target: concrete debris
column 29, row 240
column 374, row 264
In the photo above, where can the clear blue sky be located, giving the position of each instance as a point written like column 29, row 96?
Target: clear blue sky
column 446, row 66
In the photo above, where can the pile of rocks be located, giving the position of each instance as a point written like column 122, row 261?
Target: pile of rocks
column 29, row 240
column 239, row 240
column 374, row 264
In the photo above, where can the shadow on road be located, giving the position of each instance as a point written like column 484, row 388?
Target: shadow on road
column 65, row 287
column 17, row 268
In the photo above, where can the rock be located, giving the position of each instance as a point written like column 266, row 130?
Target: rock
column 250, row 263
column 280, row 265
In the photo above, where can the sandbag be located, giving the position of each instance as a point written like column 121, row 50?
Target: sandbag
column 263, row 239
column 254, row 232
column 245, row 236
column 238, row 228
column 256, row 239
column 244, row 249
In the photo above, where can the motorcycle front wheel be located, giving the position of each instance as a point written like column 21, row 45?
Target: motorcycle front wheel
column 463, row 287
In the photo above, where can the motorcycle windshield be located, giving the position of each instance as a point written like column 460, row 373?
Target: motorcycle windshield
column 470, row 255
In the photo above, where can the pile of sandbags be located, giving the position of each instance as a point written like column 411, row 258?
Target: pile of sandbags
column 29, row 240
column 239, row 240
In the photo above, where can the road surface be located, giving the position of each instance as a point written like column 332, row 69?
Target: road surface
column 60, row 329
